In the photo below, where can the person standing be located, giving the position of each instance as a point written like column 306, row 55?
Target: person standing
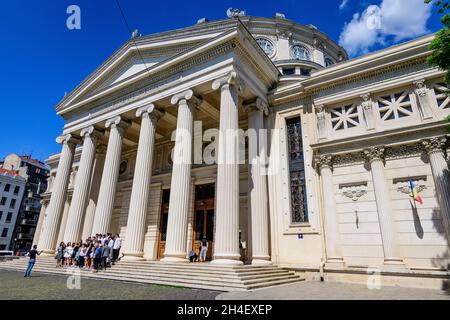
column 105, row 255
column 204, row 249
column 97, row 257
column 116, row 248
column 33, row 253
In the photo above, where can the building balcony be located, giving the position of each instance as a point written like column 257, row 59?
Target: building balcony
column 24, row 236
column 27, row 222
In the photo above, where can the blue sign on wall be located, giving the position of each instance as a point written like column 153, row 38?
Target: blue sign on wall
column 300, row 236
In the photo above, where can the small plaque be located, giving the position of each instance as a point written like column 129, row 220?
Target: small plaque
column 300, row 236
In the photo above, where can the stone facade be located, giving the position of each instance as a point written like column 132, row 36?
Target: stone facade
column 329, row 184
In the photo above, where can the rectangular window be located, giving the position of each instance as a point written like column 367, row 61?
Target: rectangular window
column 9, row 217
column 16, row 190
column 12, row 205
column 305, row 72
column 5, row 232
column 288, row 71
column 1, row 215
column 3, row 247
column 299, row 208
column 3, row 201
column 7, row 187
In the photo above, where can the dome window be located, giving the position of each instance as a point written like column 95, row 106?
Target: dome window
column 266, row 45
column 300, row 53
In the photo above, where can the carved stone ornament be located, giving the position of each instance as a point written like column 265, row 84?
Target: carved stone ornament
column 421, row 92
column 367, row 106
column 354, row 192
column 118, row 122
column 257, row 105
column 324, row 161
column 421, row 89
column 435, row 144
column 69, row 139
column 230, row 79
column 235, row 13
column 92, row 132
column 375, row 153
column 404, row 186
column 321, row 121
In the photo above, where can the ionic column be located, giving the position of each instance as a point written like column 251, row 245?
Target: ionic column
column 136, row 225
column 375, row 156
column 258, row 182
column 37, row 233
column 226, row 243
column 63, row 224
column 94, row 189
column 59, row 194
column 81, row 190
column 330, row 219
column 103, row 212
column 181, row 177
column 441, row 176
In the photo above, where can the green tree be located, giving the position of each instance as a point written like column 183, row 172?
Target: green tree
column 441, row 43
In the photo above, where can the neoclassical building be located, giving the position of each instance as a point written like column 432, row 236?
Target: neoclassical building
column 327, row 187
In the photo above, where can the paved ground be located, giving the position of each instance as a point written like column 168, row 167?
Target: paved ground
column 314, row 290
column 54, row 287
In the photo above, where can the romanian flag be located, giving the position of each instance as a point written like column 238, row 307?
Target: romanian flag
column 415, row 193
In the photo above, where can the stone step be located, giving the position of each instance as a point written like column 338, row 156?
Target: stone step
column 181, row 268
column 221, row 287
column 175, row 275
column 182, row 275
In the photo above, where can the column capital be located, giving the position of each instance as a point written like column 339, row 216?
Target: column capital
column 68, row 139
column 118, row 122
column 92, row 132
column 435, row 144
column 230, row 79
column 324, row 161
column 44, row 202
column 184, row 97
column 150, row 111
column 257, row 104
column 375, row 153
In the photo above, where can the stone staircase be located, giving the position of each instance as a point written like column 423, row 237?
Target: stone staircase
column 190, row 275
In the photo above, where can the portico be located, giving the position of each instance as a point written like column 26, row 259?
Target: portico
column 213, row 95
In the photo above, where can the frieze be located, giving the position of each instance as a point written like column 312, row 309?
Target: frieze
column 371, row 78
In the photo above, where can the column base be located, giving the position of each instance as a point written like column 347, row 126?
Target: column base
column 133, row 256
column 175, row 258
column 228, row 262
column 48, row 253
column 261, row 262
column 229, row 259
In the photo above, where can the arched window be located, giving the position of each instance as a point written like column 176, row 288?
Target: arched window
column 300, row 53
column 266, row 45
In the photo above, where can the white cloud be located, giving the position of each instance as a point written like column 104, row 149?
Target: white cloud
column 343, row 4
column 391, row 21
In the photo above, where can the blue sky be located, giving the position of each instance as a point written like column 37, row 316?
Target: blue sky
column 41, row 59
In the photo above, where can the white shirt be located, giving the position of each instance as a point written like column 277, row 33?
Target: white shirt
column 117, row 243
column 111, row 243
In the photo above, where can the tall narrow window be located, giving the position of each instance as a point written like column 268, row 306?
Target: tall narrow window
column 299, row 208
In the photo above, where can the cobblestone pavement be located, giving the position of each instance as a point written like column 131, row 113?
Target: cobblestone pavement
column 54, row 287
column 315, row 290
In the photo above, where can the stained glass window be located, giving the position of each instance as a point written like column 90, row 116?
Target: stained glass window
column 299, row 208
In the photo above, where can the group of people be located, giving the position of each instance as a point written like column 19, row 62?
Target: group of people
column 97, row 252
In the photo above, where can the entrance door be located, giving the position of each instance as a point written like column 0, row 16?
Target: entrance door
column 204, row 218
column 163, row 224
